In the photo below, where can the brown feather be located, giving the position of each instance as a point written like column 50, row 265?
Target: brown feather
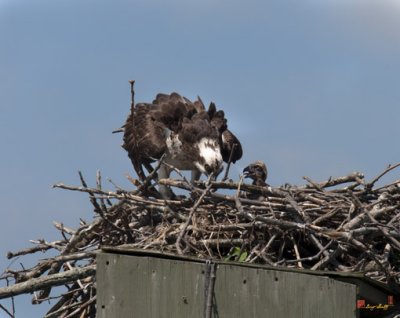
column 228, row 142
column 146, row 129
column 196, row 129
column 143, row 132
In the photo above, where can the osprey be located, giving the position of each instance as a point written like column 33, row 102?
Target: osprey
column 258, row 172
column 184, row 133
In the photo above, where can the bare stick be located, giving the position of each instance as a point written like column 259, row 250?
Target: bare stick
column 99, row 208
column 353, row 177
column 370, row 184
column 143, row 187
column 189, row 219
column 229, row 163
column 187, row 183
column 297, row 253
column 132, row 82
column 47, row 281
column 30, row 250
column 6, row 311
column 98, row 184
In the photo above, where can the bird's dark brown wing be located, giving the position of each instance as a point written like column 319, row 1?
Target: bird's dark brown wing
column 195, row 129
column 230, row 144
column 176, row 101
column 147, row 127
column 144, row 137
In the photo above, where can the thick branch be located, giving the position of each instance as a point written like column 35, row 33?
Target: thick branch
column 47, row 281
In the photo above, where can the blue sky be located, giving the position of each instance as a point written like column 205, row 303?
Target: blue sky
column 310, row 87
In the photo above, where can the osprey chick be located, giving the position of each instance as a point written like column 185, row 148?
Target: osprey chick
column 258, row 172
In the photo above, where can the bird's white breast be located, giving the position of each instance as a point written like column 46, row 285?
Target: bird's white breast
column 210, row 151
column 175, row 155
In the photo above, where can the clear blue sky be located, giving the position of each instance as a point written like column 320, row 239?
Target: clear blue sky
column 310, row 87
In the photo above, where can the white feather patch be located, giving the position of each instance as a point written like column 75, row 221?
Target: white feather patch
column 209, row 150
column 174, row 145
column 175, row 156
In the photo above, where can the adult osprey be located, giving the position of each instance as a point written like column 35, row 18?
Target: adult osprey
column 184, row 132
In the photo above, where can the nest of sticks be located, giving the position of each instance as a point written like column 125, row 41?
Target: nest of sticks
column 343, row 224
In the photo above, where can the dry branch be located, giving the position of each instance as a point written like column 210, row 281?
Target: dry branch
column 46, row 281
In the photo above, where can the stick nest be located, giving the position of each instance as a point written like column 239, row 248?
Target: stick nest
column 343, row 224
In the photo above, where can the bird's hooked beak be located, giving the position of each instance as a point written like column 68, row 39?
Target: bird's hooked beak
column 256, row 171
column 248, row 171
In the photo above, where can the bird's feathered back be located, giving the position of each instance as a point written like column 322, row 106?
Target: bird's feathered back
column 151, row 128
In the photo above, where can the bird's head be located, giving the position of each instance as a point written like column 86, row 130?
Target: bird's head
column 256, row 171
column 210, row 158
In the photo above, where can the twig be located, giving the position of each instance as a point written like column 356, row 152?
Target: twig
column 370, row 184
column 229, row 163
column 143, row 187
column 47, row 281
column 297, row 253
column 132, row 82
column 30, row 250
column 189, row 219
column 6, row 311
